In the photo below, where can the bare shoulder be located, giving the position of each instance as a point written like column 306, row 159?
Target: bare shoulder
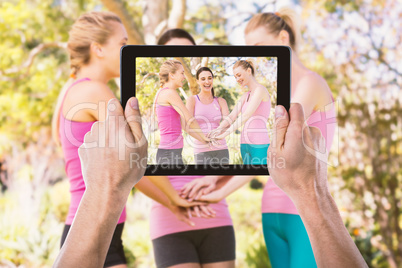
column 221, row 101
column 312, row 80
column 313, row 84
column 191, row 100
column 168, row 93
column 91, row 91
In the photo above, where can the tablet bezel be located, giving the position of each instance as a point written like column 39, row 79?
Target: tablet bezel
column 128, row 55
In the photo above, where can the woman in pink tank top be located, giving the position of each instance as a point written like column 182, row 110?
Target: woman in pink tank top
column 254, row 107
column 94, row 46
column 287, row 241
column 179, row 240
column 171, row 112
column 209, row 111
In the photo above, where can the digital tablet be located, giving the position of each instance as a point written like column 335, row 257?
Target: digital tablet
column 217, row 120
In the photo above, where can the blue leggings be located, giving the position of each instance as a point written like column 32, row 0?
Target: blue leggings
column 287, row 241
column 254, row 154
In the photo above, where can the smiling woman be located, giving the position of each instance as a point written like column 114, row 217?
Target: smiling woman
column 94, row 46
column 169, row 110
column 208, row 110
column 254, row 107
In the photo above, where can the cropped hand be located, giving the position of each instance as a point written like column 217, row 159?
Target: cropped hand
column 114, row 152
column 303, row 147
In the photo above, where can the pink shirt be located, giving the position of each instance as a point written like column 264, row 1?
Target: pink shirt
column 169, row 126
column 163, row 221
column 274, row 200
column 208, row 117
column 255, row 129
column 72, row 136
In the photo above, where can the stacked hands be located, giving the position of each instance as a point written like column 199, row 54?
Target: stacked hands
column 193, row 199
column 215, row 135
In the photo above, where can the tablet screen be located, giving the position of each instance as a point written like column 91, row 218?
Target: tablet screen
column 207, row 110
column 162, row 119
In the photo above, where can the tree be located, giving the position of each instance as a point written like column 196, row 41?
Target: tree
column 358, row 44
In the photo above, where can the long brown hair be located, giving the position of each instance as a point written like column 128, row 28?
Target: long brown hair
column 90, row 27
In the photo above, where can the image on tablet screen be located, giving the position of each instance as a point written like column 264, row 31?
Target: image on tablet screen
column 207, row 110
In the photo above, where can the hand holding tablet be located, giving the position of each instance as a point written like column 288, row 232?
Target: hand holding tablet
column 222, row 125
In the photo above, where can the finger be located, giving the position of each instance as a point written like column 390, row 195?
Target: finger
column 197, row 211
column 205, row 210
column 186, row 220
column 193, row 204
column 281, row 125
column 133, row 117
column 296, row 113
column 188, row 212
column 208, row 189
column 200, row 193
column 195, row 189
column 114, row 109
column 185, row 190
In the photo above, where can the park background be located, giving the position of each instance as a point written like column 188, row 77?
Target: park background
column 355, row 45
column 224, row 85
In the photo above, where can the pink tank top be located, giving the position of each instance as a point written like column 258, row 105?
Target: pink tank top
column 208, row 117
column 255, row 129
column 274, row 200
column 169, row 126
column 163, row 222
column 72, row 136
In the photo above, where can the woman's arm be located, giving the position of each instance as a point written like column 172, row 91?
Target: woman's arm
column 224, row 107
column 312, row 93
column 191, row 125
column 190, row 105
column 254, row 102
column 228, row 120
column 163, row 183
column 87, row 101
column 232, row 185
column 146, row 187
column 201, row 186
column 149, row 189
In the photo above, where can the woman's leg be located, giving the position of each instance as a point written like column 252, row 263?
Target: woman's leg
column 301, row 253
column 217, row 247
column 275, row 240
column 176, row 250
column 224, row 264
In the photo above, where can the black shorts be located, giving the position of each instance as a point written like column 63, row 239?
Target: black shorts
column 115, row 254
column 198, row 246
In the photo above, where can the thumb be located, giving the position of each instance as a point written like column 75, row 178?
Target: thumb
column 281, row 126
column 133, row 117
column 114, row 109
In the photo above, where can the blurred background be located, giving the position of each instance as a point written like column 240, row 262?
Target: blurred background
column 355, row 45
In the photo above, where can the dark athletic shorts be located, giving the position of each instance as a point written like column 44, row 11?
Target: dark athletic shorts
column 169, row 156
column 115, row 254
column 198, row 246
column 212, row 157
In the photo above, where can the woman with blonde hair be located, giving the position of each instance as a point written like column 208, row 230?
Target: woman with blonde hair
column 172, row 114
column 254, row 106
column 285, row 235
column 94, row 46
